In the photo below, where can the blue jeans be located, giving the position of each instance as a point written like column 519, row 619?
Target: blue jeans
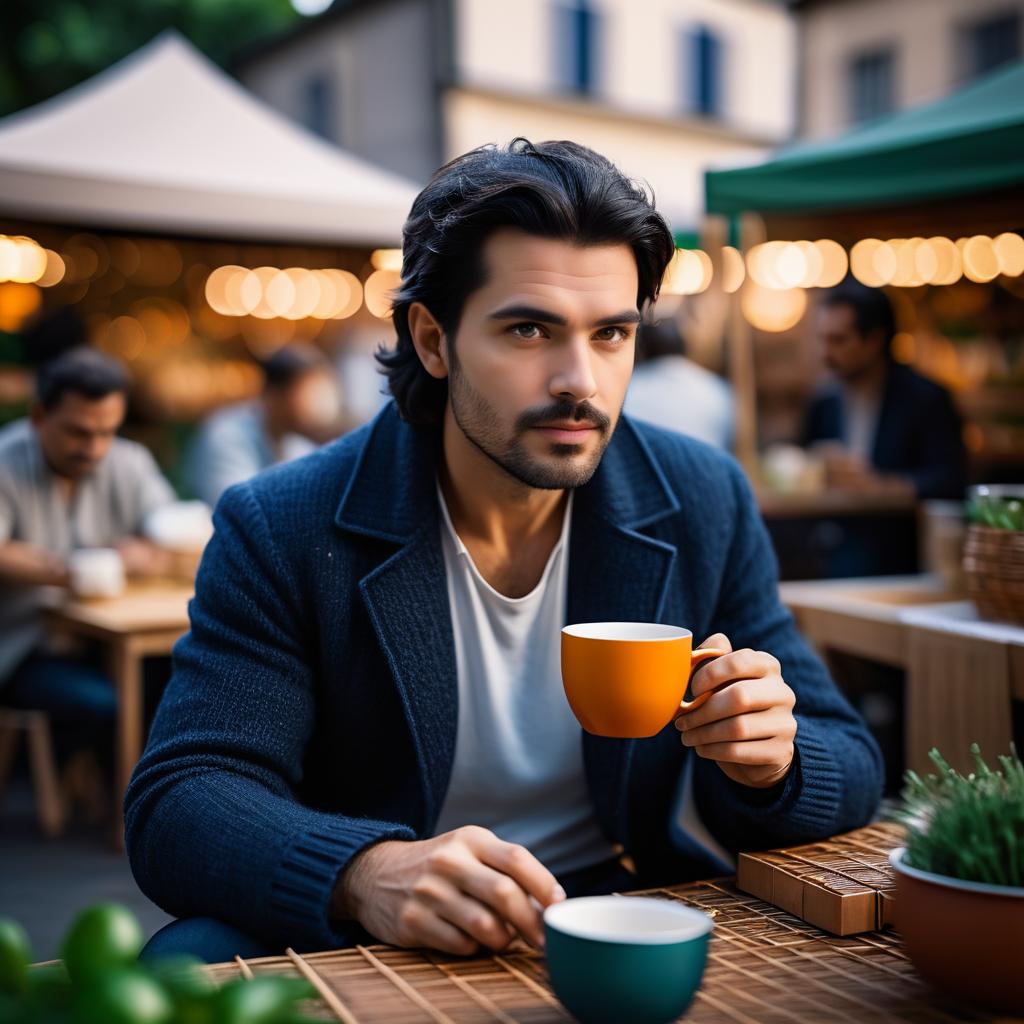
column 216, row 942
column 77, row 696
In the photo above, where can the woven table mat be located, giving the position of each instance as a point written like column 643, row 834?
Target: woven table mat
column 764, row 966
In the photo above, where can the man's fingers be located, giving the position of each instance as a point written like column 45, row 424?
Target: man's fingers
column 506, row 898
column 758, row 725
column 521, row 866
column 717, row 641
column 751, row 752
column 421, row 926
column 468, row 915
column 743, row 697
column 744, row 664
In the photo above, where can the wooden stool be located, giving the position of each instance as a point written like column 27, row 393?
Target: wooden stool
column 36, row 727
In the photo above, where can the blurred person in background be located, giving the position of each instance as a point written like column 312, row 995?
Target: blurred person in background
column 882, row 426
column 299, row 409
column 671, row 390
column 68, row 482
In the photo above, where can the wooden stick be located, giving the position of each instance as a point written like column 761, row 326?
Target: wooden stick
column 329, row 996
column 405, row 988
column 244, row 968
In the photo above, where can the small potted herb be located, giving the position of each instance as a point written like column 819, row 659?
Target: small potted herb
column 960, row 880
column 994, row 551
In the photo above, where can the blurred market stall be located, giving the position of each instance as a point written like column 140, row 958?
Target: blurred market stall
column 188, row 229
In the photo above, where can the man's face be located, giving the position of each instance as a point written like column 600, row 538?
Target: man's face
column 77, row 433
column 543, row 356
column 847, row 352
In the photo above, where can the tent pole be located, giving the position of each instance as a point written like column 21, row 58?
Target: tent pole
column 740, row 348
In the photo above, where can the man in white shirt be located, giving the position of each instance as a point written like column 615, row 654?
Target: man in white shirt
column 366, row 730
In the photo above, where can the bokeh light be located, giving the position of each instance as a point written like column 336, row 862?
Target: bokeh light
column 689, row 272
column 734, row 270
column 772, row 309
column 378, row 292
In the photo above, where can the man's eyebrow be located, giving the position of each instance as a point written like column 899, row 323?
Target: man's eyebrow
column 544, row 316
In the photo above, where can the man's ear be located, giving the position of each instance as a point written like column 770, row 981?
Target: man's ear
column 429, row 340
column 36, row 412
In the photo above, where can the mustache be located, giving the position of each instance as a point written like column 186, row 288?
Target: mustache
column 578, row 412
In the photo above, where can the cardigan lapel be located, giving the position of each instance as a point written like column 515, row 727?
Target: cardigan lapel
column 391, row 497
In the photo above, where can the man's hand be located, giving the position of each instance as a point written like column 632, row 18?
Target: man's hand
column 142, row 557
column 26, row 564
column 455, row 892
column 747, row 724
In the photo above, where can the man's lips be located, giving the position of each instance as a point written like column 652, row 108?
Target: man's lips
column 567, row 433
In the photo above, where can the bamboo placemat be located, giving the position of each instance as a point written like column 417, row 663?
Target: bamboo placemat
column 764, row 966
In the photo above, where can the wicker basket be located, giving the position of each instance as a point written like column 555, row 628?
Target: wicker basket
column 994, row 565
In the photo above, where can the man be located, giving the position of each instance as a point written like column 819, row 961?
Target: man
column 881, row 429
column 298, row 409
column 366, row 729
column 892, row 429
column 671, row 390
column 66, row 482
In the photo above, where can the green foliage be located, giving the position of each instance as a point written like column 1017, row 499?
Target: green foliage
column 108, row 985
column 47, row 46
column 968, row 827
column 999, row 512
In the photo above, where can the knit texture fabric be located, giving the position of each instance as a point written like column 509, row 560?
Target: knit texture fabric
column 313, row 705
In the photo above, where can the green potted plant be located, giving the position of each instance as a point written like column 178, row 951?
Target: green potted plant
column 994, row 550
column 100, row 980
column 960, row 880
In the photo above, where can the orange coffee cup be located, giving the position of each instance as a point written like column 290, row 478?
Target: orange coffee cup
column 628, row 679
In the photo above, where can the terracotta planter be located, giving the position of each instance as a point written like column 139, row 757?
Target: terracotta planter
column 966, row 938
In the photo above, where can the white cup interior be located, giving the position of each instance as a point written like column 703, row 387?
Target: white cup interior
column 651, row 631
column 638, row 920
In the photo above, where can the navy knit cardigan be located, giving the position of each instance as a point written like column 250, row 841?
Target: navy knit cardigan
column 313, row 705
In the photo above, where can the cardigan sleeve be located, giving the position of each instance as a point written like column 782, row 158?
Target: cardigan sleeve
column 212, row 824
column 836, row 779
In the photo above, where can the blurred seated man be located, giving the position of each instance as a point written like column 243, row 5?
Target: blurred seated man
column 881, row 427
column 892, row 429
column 298, row 410
column 672, row 391
column 68, row 482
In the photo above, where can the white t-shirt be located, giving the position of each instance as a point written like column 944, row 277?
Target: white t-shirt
column 518, row 767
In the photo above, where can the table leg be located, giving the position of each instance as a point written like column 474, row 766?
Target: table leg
column 126, row 672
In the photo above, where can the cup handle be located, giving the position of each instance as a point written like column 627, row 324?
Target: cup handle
column 698, row 657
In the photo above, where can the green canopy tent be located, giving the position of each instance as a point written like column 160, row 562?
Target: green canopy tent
column 954, row 167
column 898, row 173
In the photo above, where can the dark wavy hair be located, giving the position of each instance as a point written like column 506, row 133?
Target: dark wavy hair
column 556, row 190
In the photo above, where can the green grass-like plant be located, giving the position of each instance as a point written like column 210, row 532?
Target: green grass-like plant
column 1000, row 513
column 967, row 827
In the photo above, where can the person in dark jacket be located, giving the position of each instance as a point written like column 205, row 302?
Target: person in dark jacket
column 366, row 732
column 881, row 428
column 892, row 429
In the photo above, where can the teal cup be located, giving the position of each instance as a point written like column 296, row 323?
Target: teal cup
column 625, row 958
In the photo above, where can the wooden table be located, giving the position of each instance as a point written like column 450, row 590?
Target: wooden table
column 962, row 672
column 832, row 503
column 146, row 620
column 764, row 966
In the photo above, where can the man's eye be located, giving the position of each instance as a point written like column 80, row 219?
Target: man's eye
column 613, row 334
column 528, row 332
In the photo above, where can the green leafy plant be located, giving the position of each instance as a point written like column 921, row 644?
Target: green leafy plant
column 102, row 981
column 967, row 827
column 997, row 511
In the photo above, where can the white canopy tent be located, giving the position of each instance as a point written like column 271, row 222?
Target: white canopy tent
column 165, row 141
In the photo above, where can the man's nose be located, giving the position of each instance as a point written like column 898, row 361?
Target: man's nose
column 574, row 374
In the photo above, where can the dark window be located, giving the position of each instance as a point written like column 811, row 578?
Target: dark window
column 992, row 42
column 702, row 71
column 872, row 86
column 318, row 104
column 578, row 33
